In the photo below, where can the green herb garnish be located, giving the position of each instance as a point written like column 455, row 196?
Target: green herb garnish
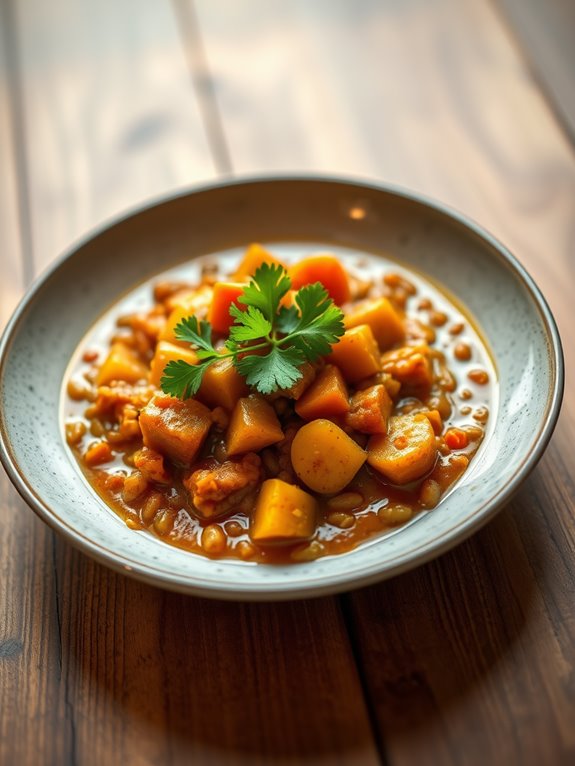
column 290, row 336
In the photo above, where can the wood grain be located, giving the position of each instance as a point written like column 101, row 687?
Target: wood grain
column 96, row 668
column 467, row 660
column 11, row 261
column 175, row 680
column 545, row 32
column 110, row 119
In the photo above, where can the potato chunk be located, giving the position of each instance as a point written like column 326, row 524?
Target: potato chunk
column 356, row 354
column 284, row 514
column 407, row 452
column 370, row 409
column 174, row 427
column 121, row 364
column 222, row 385
column 383, row 319
column 326, row 397
column 324, row 457
column 253, row 426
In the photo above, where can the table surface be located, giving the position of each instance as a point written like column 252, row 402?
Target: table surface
column 467, row 660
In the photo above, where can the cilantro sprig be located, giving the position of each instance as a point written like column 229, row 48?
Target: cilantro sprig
column 268, row 342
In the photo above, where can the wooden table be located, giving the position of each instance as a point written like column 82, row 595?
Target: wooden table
column 468, row 660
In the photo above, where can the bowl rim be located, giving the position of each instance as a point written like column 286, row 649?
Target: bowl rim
column 342, row 582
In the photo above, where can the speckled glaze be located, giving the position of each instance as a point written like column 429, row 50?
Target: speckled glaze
column 59, row 309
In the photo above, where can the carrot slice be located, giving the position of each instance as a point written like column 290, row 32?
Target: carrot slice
column 325, row 269
column 225, row 293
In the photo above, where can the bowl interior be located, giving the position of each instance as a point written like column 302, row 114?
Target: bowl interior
column 63, row 306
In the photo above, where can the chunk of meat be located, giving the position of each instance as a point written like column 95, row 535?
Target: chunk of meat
column 151, row 465
column 175, row 428
column 370, row 409
column 410, row 365
column 224, row 487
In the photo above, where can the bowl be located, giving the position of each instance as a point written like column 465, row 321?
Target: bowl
column 63, row 304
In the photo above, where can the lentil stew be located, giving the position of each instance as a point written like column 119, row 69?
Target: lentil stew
column 368, row 437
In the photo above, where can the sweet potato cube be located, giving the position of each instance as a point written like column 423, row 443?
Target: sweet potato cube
column 326, row 397
column 195, row 303
column 356, row 354
column 253, row 426
column 175, row 428
column 407, row 452
column 121, row 364
column 383, row 319
column 254, row 257
column 326, row 269
column 284, row 514
column 222, row 385
column 370, row 410
column 169, row 352
column 308, row 374
column 225, row 293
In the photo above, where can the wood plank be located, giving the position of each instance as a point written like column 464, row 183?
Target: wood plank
column 97, row 668
column 27, row 595
column 11, row 283
column 468, row 659
column 545, row 33
column 110, row 119
column 154, row 677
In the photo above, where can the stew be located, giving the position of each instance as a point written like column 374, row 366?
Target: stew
column 234, row 427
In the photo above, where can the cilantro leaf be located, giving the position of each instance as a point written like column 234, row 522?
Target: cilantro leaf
column 199, row 334
column 268, row 286
column 248, row 325
column 268, row 342
column 287, row 320
column 320, row 322
column 278, row 369
column 182, row 379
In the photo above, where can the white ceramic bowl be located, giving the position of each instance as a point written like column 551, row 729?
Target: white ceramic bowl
column 60, row 308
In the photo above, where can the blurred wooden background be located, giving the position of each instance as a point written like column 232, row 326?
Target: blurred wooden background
column 468, row 660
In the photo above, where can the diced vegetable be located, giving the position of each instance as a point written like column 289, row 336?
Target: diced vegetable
column 169, row 352
column 383, row 319
column 356, row 354
column 326, row 397
column 325, row 269
column 225, row 293
column 410, row 365
column 222, row 385
column 121, row 364
column 253, row 426
column 175, row 427
column 324, row 457
column 194, row 303
column 435, row 419
column 284, row 514
column 295, row 391
column 370, row 410
column 408, row 450
column 254, row 257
